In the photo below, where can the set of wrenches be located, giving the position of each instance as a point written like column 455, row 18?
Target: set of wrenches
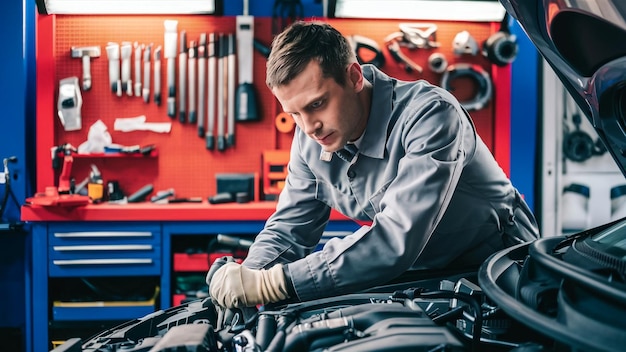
column 200, row 74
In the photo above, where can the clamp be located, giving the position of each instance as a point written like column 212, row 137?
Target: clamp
column 412, row 36
column 392, row 42
column 419, row 35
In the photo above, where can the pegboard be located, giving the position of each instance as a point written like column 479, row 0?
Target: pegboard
column 183, row 162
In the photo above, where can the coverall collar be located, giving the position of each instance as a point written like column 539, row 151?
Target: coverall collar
column 375, row 137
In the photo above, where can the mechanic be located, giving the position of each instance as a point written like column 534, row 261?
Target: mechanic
column 431, row 191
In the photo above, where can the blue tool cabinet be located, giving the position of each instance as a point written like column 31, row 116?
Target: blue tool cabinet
column 122, row 249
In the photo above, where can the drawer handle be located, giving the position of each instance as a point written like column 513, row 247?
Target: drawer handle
column 121, row 247
column 102, row 261
column 102, row 234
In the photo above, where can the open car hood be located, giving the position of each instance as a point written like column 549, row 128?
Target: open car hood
column 584, row 41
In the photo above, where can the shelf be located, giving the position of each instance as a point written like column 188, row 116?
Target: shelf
column 252, row 211
column 118, row 155
column 102, row 310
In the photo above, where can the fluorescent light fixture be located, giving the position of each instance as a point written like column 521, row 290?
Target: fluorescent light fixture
column 143, row 7
column 445, row 10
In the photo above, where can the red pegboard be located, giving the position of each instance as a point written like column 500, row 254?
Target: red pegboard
column 183, row 162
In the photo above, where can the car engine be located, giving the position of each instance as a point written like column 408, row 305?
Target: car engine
column 554, row 294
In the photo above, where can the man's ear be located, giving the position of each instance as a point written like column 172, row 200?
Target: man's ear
column 355, row 76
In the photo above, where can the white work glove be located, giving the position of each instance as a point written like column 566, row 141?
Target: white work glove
column 235, row 286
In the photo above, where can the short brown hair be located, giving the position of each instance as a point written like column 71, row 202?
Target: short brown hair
column 301, row 42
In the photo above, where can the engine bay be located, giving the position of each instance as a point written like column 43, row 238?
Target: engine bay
column 554, row 294
column 405, row 320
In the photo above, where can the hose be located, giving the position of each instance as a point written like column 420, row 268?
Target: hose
column 478, row 319
column 484, row 87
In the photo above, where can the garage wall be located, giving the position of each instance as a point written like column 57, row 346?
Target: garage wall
column 16, row 140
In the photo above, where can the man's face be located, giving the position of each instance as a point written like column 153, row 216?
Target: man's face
column 327, row 112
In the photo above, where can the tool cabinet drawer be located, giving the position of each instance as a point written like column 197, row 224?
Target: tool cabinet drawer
column 104, row 251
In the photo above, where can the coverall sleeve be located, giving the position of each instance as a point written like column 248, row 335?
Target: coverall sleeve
column 432, row 136
column 295, row 228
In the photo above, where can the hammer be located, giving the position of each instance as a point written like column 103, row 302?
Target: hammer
column 86, row 53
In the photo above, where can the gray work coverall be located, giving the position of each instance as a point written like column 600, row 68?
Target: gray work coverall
column 431, row 188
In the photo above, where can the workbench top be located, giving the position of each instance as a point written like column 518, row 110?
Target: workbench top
column 146, row 211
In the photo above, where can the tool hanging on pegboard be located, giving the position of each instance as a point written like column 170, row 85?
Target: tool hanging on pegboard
column 138, row 57
column 501, row 47
column 222, row 102
column 478, row 75
column 158, row 52
column 392, row 42
column 211, row 99
column 419, row 35
column 113, row 54
column 284, row 13
column 230, row 109
column 412, row 36
column 126, row 50
column 373, row 54
column 464, row 44
column 202, row 74
column 85, row 54
column 182, row 76
column 191, row 81
column 246, row 109
column 146, row 74
column 170, row 38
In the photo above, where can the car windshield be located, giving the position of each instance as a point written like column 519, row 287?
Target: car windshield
column 612, row 240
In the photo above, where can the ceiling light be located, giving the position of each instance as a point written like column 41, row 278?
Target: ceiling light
column 144, row 7
column 445, row 10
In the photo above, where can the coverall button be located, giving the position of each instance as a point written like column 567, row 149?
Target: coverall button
column 351, row 174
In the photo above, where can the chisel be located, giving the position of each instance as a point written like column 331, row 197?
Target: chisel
column 182, row 75
column 211, row 61
column 146, row 73
column 157, row 75
column 246, row 109
column 138, row 49
column 230, row 110
column 113, row 54
column 127, row 82
column 171, row 33
column 221, row 90
column 201, row 83
column 192, row 81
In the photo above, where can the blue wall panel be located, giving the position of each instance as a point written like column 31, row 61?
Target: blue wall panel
column 265, row 8
column 524, row 116
column 17, row 102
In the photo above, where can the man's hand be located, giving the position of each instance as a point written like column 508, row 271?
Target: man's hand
column 235, row 286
